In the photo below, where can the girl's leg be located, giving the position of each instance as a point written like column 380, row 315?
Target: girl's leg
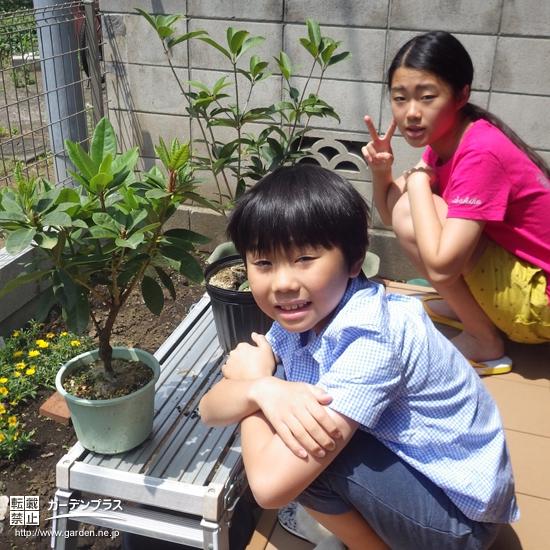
column 370, row 498
column 480, row 340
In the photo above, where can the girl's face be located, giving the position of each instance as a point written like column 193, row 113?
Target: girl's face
column 301, row 288
column 426, row 109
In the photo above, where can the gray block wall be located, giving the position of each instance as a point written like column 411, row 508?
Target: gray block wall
column 509, row 41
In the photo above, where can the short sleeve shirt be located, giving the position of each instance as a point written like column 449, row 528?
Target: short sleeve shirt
column 489, row 178
column 387, row 367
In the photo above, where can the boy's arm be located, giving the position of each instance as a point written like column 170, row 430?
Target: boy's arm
column 294, row 409
column 276, row 475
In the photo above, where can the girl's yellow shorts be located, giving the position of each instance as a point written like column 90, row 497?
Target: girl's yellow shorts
column 513, row 294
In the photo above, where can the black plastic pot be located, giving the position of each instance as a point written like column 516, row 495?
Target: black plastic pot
column 236, row 313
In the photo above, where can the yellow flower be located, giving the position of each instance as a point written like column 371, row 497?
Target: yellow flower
column 12, row 421
column 17, row 373
column 1, row 438
column 2, row 409
column 50, row 335
column 13, row 403
column 3, row 380
column 3, row 390
column 18, row 354
column 75, row 343
column 16, row 334
column 31, row 371
column 20, row 366
column 42, row 343
column 16, row 435
column 63, row 334
column 34, row 353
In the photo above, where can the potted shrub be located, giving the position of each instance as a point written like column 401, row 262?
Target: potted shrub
column 264, row 136
column 104, row 238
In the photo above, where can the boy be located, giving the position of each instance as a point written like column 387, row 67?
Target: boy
column 381, row 429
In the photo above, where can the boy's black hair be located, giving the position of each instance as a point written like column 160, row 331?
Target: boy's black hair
column 301, row 205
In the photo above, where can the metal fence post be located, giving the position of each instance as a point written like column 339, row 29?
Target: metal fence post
column 62, row 81
column 92, row 45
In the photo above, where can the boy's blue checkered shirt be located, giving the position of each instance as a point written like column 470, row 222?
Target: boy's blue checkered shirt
column 387, row 367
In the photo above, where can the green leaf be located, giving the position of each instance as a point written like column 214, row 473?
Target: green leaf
column 132, row 242
column 235, row 39
column 47, row 239
column 166, row 281
column 126, row 161
column 20, row 240
column 184, row 37
column 100, row 181
column 186, row 235
column 22, row 279
column 64, row 288
column 152, row 294
column 103, row 142
column 314, row 32
column 57, row 218
column 45, row 303
column 78, row 316
column 152, row 22
column 10, row 205
column 311, row 48
column 108, row 222
column 97, row 232
column 81, row 159
column 12, row 217
column 251, row 42
column 217, row 46
column 190, row 268
column 337, row 58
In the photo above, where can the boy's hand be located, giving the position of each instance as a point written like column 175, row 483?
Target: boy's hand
column 378, row 152
column 296, row 412
column 248, row 362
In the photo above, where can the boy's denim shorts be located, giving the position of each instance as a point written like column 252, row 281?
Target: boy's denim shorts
column 404, row 507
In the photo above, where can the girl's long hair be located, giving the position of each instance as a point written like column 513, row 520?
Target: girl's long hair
column 444, row 56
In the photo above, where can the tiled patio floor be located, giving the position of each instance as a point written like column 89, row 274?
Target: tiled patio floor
column 523, row 397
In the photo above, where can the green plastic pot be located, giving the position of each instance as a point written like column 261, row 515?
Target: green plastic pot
column 111, row 426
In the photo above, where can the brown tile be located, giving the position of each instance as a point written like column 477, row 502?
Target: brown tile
column 530, row 461
column 531, row 363
column 523, row 407
column 531, row 531
column 56, row 409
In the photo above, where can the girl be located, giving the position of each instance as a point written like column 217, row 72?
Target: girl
column 472, row 214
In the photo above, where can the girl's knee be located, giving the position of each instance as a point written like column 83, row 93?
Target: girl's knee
column 402, row 220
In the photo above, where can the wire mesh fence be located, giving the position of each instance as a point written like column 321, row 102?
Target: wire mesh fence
column 50, row 86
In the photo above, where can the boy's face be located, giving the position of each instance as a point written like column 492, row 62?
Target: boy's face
column 302, row 288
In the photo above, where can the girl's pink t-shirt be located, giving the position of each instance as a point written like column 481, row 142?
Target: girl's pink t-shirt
column 489, row 178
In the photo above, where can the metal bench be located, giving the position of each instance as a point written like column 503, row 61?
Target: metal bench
column 184, row 466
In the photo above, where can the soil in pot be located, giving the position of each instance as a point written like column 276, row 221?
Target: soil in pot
column 232, row 277
column 90, row 381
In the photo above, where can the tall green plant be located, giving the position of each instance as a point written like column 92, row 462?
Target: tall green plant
column 106, row 236
column 266, row 136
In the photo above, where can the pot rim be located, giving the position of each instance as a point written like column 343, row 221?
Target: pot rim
column 73, row 363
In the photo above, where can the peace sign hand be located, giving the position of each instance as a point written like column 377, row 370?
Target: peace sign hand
column 378, row 152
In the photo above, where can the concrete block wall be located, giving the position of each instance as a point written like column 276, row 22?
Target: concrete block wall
column 509, row 41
